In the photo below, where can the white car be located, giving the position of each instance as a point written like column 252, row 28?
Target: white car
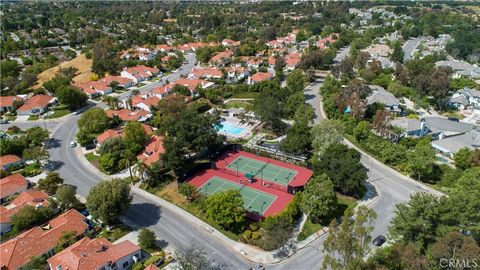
column 73, row 144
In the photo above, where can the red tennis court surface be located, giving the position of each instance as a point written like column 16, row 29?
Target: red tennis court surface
column 300, row 179
column 283, row 198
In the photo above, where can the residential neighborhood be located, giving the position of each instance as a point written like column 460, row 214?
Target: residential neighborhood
column 239, row 135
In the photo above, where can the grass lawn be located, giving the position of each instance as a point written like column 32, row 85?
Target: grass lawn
column 58, row 113
column 10, row 117
column 246, row 95
column 93, row 159
column 115, row 233
column 239, row 104
column 33, row 117
column 312, row 227
column 97, row 98
column 141, row 84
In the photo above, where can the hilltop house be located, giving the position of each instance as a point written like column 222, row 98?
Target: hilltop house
column 38, row 104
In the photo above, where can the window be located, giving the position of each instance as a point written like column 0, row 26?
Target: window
column 125, row 264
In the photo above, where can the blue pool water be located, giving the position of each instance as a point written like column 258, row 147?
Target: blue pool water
column 226, row 127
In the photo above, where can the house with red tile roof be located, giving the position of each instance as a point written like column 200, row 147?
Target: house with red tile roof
column 230, row 43
column 95, row 88
column 8, row 161
column 272, row 60
column 162, row 91
column 38, row 241
column 140, row 53
column 34, row 198
column 119, row 132
column 207, row 73
column 97, row 253
column 252, row 62
column 122, row 81
column 38, row 104
column 219, row 57
column 144, row 102
column 292, row 60
column 7, row 103
column 139, row 73
column 326, row 42
column 237, row 73
column 164, row 48
column 153, row 151
column 151, row 267
column 129, row 115
column 192, row 84
column 12, row 185
column 260, row 77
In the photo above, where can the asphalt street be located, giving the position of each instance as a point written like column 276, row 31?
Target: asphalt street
column 185, row 69
column 409, row 47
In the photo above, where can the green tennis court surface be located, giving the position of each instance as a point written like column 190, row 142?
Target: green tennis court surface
column 264, row 170
column 253, row 200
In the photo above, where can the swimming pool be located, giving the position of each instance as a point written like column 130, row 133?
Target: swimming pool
column 229, row 128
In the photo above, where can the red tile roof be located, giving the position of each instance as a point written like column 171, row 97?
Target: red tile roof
column 153, row 151
column 88, row 254
column 12, row 184
column 121, row 80
column 7, row 159
column 221, row 55
column 207, row 72
column 164, row 89
column 149, row 101
column 38, row 101
column 142, row 70
column 7, row 101
column 190, row 83
column 164, row 47
column 31, row 197
column 17, row 251
column 151, row 267
column 127, row 115
column 261, row 76
column 109, row 133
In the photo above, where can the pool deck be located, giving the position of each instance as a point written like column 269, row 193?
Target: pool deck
column 235, row 123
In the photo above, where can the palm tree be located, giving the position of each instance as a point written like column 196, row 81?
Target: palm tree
column 128, row 157
column 141, row 168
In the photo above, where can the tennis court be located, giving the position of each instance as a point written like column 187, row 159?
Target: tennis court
column 264, row 170
column 253, row 200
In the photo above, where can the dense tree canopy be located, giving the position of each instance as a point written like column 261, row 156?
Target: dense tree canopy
column 108, row 200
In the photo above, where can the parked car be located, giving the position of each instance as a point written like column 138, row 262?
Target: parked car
column 379, row 240
column 73, row 144
column 453, row 119
column 3, row 121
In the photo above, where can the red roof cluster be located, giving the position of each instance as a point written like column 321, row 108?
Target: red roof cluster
column 218, row 57
column 326, row 42
column 261, row 76
column 142, row 71
column 31, row 197
column 191, row 84
column 127, row 115
column 17, row 251
column 207, row 73
column 7, row 101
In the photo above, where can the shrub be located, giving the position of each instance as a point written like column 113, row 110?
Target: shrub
column 247, row 234
column 137, row 266
column 254, row 227
column 153, row 260
column 256, row 235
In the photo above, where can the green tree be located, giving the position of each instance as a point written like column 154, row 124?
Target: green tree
column 146, row 238
column 304, row 114
column 135, row 137
column 114, row 146
column 65, row 197
column 104, row 58
column 91, row 123
column 295, row 101
column 108, row 200
column 462, row 158
column 398, row 256
column 420, row 161
column 454, row 246
column 362, row 131
column 226, row 208
column 28, row 216
column 127, row 161
column 296, row 81
column 36, row 153
column 319, row 200
column 348, row 243
column 397, row 54
column 65, row 240
column 193, row 257
column 50, row 183
column 298, row 139
column 343, row 166
column 108, row 163
column 188, row 190
column 324, row 134
column 56, row 83
column 36, row 136
column 181, row 90
column 71, row 96
column 416, row 221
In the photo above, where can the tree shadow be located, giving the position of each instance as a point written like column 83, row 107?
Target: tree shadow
column 161, row 243
column 53, row 165
column 52, row 143
column 309, row 97
column 144, row 214
column 370, row 193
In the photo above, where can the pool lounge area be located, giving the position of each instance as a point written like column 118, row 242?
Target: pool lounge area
column 232, row 128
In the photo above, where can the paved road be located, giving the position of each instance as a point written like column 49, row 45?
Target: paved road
column 312, row 97
column 183, row 70
column 409, row 47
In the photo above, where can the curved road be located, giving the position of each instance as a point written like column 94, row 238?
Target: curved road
column 174, row 229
